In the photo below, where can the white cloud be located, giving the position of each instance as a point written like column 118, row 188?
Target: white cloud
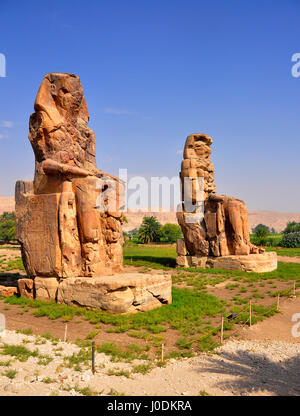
column 117, row 111
column 7, row 124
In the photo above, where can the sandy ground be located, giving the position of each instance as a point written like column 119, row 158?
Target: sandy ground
column 288, row 259
column 265, row 361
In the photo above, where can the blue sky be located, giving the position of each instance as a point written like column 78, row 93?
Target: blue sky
column 154, row 72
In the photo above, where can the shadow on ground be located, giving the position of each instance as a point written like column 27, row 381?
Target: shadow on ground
column 10, row 277
column 163, row 261
column 255, row 373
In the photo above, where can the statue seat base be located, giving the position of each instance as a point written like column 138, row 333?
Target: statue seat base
column 118, row 293
column 259, row 263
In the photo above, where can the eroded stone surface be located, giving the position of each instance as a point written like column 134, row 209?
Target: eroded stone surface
column 259, row 263
column 26, row 288
column 121, row 293
column 59, row 225
column 46, row 288
column 213, row 225
column 8, row 291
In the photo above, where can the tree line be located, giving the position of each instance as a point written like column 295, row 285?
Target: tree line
column 7, row 227
column 152, row 231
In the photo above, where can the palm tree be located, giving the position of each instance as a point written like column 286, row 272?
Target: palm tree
column 149, row 230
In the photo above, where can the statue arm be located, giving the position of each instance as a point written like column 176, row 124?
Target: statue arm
column 51, row 167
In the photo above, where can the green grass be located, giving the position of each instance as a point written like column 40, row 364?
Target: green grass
column 193, row 314
column 276, row 238
column 20, row 352
column 92, row 334
column 27, row 331
column 10, row 374
column 290, row 252
column 143, row 368
column 48, row 380
column 87, row 391
column 114, row 392
column 119, row 373
column 187, row 307
column 83, row 357
column 5, row 363
column 13, row 264
column 155, row 257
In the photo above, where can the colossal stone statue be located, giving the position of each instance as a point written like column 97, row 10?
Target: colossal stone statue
column 69, row 219
column 214, row 226
column 68, row 235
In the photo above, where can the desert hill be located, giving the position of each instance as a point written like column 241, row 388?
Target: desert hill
column 7, row 204
column 277, row 220
column 272, row 219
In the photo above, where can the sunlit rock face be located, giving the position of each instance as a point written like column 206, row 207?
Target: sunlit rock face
column 61, row 230
column 213, row 225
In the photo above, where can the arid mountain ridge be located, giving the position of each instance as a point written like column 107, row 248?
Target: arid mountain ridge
column 277, row 220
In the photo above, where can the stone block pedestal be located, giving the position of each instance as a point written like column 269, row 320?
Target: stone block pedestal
column 259, row 263
column 119, row 293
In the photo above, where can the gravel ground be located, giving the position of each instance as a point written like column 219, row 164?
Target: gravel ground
column 237, row 368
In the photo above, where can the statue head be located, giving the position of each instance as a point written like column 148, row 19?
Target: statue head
column 197, row 146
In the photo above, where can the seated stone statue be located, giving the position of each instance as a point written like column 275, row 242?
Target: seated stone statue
column 212, row 225
column 62, row 231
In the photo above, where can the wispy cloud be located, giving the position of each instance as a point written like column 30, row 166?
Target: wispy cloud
column 3, row 136
column 7, row 124
column 179, row 152
column 117, row 111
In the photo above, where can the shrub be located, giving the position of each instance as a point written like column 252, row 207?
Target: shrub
column 292, row 227
column 261, row 232
column 261, row 229
column 291, row 240
column 169, row 233
column 7, row 227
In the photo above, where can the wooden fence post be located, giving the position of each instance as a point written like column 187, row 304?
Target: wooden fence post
column 66, row 332
column 162, row 352
column 222, row 328
column 93, row 357
column 250, row 313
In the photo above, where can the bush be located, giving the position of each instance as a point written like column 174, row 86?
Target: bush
column 7, row 227
column 169, row 233
column 261, row 230
column 292, row 227
column 291, row 240
column 261, row 233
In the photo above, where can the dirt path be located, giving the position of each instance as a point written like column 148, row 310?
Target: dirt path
column 278, row 327
column 288, row 259
column 264, row 362
column 238, row 368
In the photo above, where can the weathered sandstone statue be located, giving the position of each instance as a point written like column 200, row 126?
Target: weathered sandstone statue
column 215, row 227
column 69, row 221
column 62, row 233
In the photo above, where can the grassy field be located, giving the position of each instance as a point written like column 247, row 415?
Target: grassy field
column 153, row 256
column 275, row 238
column 189, row 325
column 282, row 251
